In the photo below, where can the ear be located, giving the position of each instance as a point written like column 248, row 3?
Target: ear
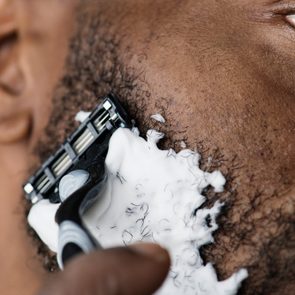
column 14, row 119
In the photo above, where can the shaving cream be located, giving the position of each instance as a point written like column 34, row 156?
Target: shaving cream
column 153, row 195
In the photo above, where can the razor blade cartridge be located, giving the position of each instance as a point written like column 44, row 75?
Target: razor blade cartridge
column 90, row 140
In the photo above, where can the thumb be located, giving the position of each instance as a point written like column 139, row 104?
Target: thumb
column 139, row 269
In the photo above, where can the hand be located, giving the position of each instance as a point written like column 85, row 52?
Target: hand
column 139, row 269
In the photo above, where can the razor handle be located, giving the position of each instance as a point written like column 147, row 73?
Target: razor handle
column 74, row 237
column 85, row 150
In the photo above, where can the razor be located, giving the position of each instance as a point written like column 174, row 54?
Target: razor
column 82, row 154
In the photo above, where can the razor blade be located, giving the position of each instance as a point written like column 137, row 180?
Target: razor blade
column 89, row 141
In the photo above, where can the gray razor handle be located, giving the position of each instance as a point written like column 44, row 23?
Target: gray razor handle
column 74, row 237
column 73, row 240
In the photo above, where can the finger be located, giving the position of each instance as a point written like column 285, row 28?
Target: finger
column 139, row 269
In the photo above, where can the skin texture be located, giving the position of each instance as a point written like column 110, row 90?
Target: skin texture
column 139, row 269
column 30, row 65
column 229, row 75
column 221, row 73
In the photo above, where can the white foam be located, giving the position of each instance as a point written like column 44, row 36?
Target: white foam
column 42, row 219
column 158, row 117
column 82, row 116
column 154, row 195
column 182, row 144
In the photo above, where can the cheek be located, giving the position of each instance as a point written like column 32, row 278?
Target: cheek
column 45, row 29
column 271, row 54
column 219, row 97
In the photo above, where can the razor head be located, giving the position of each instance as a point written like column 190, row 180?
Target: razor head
column 88, row 143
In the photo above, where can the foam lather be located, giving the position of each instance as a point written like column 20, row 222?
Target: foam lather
column 153, row 195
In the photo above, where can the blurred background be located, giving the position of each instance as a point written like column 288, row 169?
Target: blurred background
column 34, row 36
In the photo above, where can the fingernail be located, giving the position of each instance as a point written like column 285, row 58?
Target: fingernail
column 152, row 251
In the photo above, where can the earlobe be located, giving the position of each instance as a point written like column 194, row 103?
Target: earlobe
column 14, row 121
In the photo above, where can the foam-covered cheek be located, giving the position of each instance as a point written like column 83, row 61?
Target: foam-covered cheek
column 151, row 195
column 42, row 219
column 154, row 196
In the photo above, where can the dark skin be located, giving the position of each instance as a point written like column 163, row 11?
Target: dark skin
column 222, row 74
column 139, row 269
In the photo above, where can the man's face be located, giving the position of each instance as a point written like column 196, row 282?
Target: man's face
column 221, row 73
column 33, row 45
